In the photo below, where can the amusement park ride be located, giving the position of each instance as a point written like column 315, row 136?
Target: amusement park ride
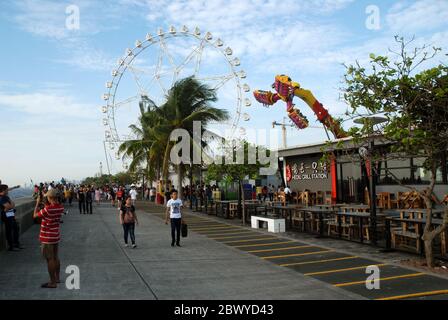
column 286, row 90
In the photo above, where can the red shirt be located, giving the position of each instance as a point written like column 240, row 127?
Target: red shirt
column 119, row 193
column 50, row 231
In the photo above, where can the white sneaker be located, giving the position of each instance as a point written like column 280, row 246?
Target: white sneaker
column 134, row 246
column 126, row 245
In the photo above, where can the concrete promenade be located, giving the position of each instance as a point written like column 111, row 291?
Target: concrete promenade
column 202, row 269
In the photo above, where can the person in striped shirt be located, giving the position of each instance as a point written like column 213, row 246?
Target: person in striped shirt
column 50, row 234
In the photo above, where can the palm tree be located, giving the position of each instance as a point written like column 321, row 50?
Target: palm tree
column 187, row 101
column 146, row 149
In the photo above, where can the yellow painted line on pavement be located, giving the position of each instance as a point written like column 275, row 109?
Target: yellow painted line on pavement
column 411, row 275
column 263, row 244
column 317, row 261
column 342, row 270
column 236, row 241
column 415, row 295
column 221, row 232
column 297, row 254
column 238, row 236
column 231, row 232
column 279, row 249
column 212, row 228
column 208, row 225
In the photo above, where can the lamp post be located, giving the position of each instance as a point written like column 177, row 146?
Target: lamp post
column 368, row 155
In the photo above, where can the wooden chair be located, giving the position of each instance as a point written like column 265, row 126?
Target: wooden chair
column 312, row 198
column 395, row 201
column 384, row 200
column 297, row 219
column 406, row 236
column 304, row 198
column 328, row 199
column 298, row 197
column 233, row 207
column 346, row 224
column 320, row 198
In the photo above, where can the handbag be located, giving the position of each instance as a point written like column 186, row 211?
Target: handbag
column 184, row 230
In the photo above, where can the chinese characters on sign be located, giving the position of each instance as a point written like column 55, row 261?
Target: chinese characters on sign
column 302, row 171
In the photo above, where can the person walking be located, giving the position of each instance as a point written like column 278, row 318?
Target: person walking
column 288, row 194
column 66, row 194
column 7, row 211
column 133, row 194
column 81, row 197
column 50, row 235
column 112, row 196
column 97, row 196
column 264, row 192
column 71, row 195
column 271, row 192
column 90, row 194
column 173, row 214
column 152, row 194
column 120, row 195
column 128, row 219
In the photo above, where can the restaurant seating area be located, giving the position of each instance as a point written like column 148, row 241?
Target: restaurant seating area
column 400, row 217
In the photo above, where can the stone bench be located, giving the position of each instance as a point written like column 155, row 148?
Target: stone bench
column 275, row 225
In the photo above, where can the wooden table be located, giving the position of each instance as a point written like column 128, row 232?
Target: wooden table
column 329, row 206
column 223, row 204
column 253, row 206
column 355, row 208
column 285, row 212
column 320, row 211
column 418, row 225
column 355, row 214
column 419, row 213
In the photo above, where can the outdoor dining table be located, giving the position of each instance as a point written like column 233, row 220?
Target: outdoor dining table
column 356, row 214
column 224, row 206
column 418, row 222
column 418, row 213
column 286, row 212
column 355, row 207
column 253, row 207
column 321, row 211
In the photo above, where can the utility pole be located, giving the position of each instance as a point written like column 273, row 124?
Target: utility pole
column 101, row 169
column 283, row 125
column 107, row 160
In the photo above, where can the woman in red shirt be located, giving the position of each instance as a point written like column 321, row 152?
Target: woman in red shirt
column 50, row 234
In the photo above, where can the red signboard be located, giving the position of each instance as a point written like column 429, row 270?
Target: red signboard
column 288, row 173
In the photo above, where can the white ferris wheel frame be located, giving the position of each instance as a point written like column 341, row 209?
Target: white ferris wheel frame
column 112, row 137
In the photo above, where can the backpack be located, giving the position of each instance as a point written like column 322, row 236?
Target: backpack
column 128, row 214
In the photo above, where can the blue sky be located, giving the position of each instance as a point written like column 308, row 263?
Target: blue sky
column 52, row 78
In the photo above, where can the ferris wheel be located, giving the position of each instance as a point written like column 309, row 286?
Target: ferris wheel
column 150, row 69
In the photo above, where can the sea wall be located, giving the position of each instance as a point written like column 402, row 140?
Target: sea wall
column 24, row 215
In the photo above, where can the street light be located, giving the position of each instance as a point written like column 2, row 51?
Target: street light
column 366, row 154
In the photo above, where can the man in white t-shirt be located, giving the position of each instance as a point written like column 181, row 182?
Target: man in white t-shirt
column 288, row 193
column 133, row 193
column 174, row 214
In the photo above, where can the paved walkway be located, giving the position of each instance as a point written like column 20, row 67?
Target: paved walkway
column 204, row 268
column 337, row 267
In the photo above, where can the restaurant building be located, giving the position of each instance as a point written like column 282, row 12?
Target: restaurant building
column 346, row 177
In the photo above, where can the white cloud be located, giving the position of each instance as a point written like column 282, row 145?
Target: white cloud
column 413, row 16
column 44, row 103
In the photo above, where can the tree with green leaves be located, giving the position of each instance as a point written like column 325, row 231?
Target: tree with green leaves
column 146, row 150
column 245, row 166
column 415, row 103
column 186, row 102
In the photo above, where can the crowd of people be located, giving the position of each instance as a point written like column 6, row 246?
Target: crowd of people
column 52, row 198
